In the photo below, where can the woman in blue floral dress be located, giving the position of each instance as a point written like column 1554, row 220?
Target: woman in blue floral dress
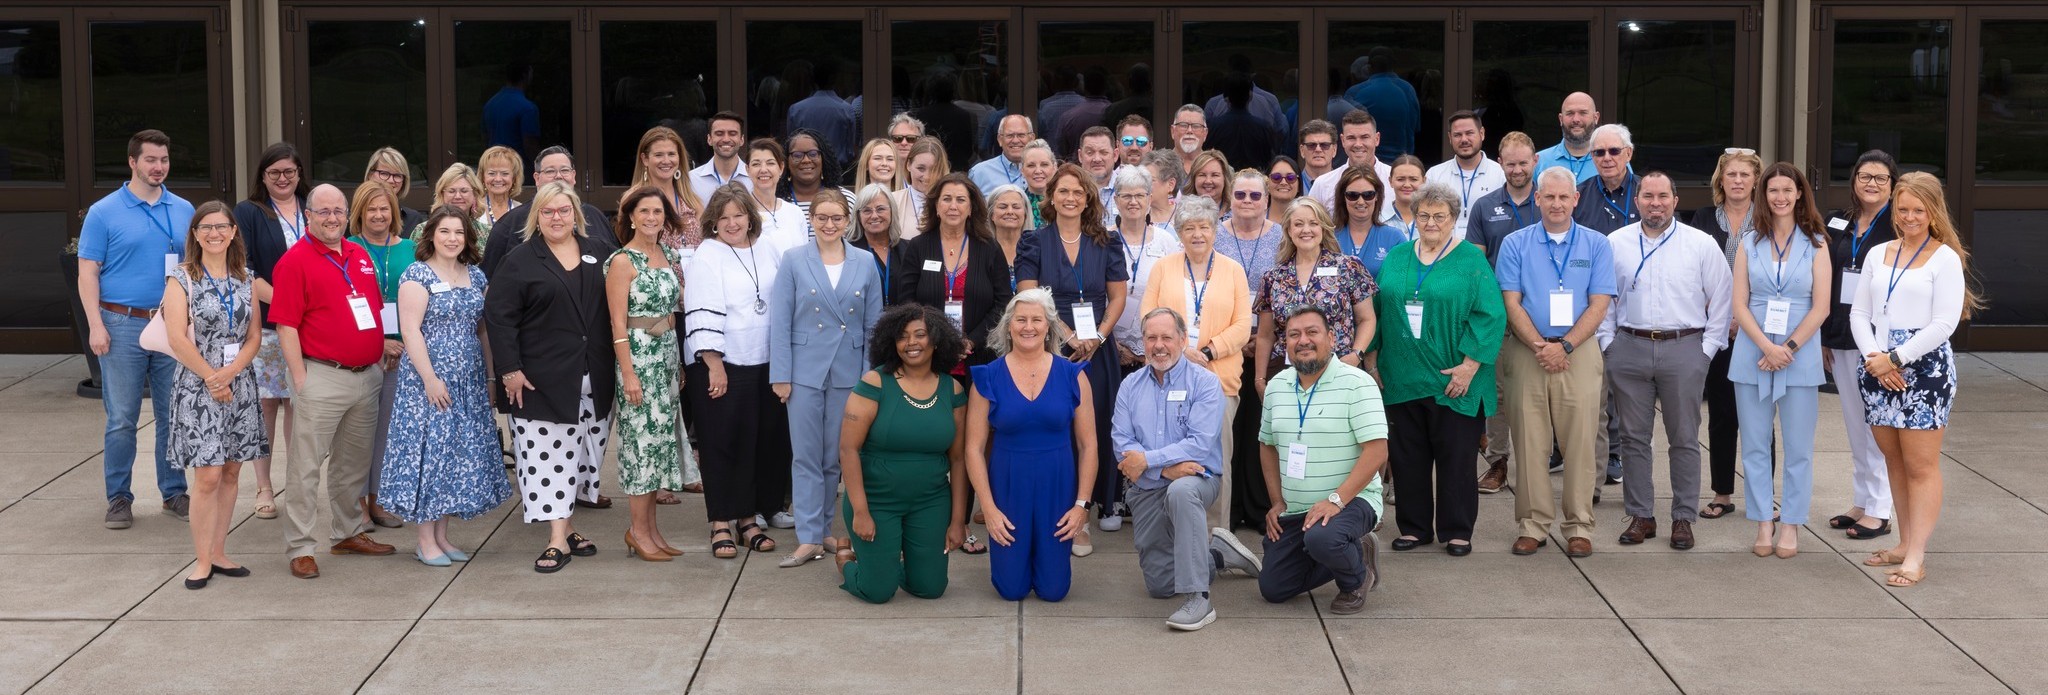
column 443, row 456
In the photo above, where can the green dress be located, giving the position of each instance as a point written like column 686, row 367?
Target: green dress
column 905, row 468
column 649, row 456
column 1462, row 316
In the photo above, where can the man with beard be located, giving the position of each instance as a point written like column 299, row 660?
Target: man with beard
column 1469, row 173
column 1134, row 140
column 728, row 132
column 1577, row 118
column 1190, row 130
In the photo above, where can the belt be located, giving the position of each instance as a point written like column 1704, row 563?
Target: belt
column 653, row 325
column 1661, row 335
column 129, row 310
column 340, row 366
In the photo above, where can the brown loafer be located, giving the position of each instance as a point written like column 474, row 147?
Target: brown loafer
column 360, row 544
column 1681, row 535
column 1527, row 546
column 1578, row 547
column 1639, row 528
column 602, row 502
column 1496, row 476
column 1349, row 602
column 305, row 568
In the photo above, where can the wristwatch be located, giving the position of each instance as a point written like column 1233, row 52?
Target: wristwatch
column 1894, row 355
column 1084, row 504
column 1791, row 344
column 1207, row 354
column 1336, row 499
column 1567, row 345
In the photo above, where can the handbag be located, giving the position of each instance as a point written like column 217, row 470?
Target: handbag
column 155, row 337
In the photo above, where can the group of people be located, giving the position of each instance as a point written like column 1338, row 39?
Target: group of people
column 1180, row 345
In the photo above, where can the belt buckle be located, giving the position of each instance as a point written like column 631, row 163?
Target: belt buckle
column 1656, row 334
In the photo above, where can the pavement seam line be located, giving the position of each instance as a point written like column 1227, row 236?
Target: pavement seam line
column 718, row 622
column 430, row 606
column 1647, row 651
column 1894, row 595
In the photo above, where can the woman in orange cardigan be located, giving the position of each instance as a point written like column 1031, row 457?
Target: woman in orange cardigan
column 1211, row 289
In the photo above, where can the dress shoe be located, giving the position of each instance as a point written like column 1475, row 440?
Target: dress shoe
column 1527, row 546
column 199, row 583
column 1349, row 602
column 1407, row 544
column 456, row 555
column 1578, row 547
column 1495, row 477
column 437, row 561
column 1639, row 528
column 305, row 568
column 1458, row 549
column 602, row 502
column 1681, row 535
column 360, row 544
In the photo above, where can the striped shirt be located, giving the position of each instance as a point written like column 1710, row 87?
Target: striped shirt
column 1343, row 412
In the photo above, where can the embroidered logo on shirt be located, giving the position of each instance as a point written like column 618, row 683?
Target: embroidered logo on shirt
column 1581, row 263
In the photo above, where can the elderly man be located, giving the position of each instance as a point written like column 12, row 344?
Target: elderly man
column 1576, row 117
column 556, row 164
column 325, row 303
column 1607, row 202
column 904, row 130
column 1359, row 136
column 1323, row 439
column 727, row 132
column 1191, row 131
column 1658, row 344
column 1469, row 173
column 1492, row 218
column 1134, row 140
column 1557, row 279
column 1169, row 450
column 1013, row 133
column 1097, row 156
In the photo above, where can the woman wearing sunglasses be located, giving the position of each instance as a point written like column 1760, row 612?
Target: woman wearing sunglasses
column 1359, row 231
column 1285, row 186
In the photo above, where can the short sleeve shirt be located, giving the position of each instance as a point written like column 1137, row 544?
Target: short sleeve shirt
column 1530, row 261
column 1333, row 419
column 1340, row 283
column 313, row 285
column 129, row 239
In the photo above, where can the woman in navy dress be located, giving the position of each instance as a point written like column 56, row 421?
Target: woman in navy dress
column 1077, row 258
column 1026, row 411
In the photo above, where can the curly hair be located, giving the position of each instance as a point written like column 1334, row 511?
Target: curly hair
column 947, row 344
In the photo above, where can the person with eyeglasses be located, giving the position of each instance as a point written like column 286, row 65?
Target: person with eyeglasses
column 271, row 221
column 1865, row 224
column 1492, row 218
column 1359, row 136
column 904, row 130
column 1607, row 201
column 1469, row 171
column 1145, row 243
column 1190, row 130
column 811, row 171
column 1134, row 140
column 1097, row 156
column 1729, row 220
column 1013, row 133
column 1359, row 230
column 874, row 230
column 388, row 166
column 554, row 164
column 1284, row 184
column 1577, row 117
column 727, row 134
column 1318, row 146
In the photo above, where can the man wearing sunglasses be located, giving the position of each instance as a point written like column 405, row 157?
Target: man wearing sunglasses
column 1607, row 201
column 1360, row 137
column 1318, row 145
column 1469, row 173
column 1134, row 140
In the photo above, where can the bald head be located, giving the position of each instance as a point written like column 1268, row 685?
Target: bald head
column 329, row 210
column 1577, row 117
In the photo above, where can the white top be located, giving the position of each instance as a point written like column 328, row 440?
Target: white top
column 832, row 271
column 1325, row 188
column 1470, row 185
column 720, row 291
column 1146, row 249
column 1685, row 284
column 1928, row 298
column 785, row 227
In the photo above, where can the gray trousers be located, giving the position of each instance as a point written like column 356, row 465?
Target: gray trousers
column 1644, row 375
column 1170, row 527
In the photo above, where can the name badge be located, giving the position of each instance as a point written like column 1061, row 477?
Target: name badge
column 228, row 353
column 1851, row 280
column 1777, row 316
column 955, row 311
column 933, row 265
column 437, row 288
column 1326, row 272
column 1084, row 322
column 170, row 264
column 1297, row 461
column 387, row 316
column 1176, row 396
column 365, row 320
column 1838, row 224
column 1195, row 335
column 1414, row 307
column 590, row 259
column 1560, row 308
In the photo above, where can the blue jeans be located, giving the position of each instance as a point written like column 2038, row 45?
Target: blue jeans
column 123, row 371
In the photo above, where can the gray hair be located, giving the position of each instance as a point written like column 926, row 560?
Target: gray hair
column 1007, row 189
column 1039, row 144
column 1167, row 163
column 1619, row 131
column 1193, row 208
column 1055, row 336
column 1439, row 193
column 1180, row 325
column 1562, row 175
column 869, row 194
column 1130, row 177
column 905, row 117
column 1191, row 108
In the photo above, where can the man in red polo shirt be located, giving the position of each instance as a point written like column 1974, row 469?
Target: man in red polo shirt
column 326, row 303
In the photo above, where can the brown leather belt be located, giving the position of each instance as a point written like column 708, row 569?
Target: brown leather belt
column 654, row 325
column 1661, row 335
column 129, row 310
column 340, row 366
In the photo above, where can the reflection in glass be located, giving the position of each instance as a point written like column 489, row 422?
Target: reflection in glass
column 1414, row 52
column 1247, row 78
column 1677, row 94
column 655, row 73
column 151, row 75
column 511, row 86
column 806, row 75
column 32, row 122
column 1100, row 71
column 2012, row 102
column 37, row 294
column 369, row 90
column 1529, row 67
column 1890, row 93
column 2006, row 248
column 952, row 76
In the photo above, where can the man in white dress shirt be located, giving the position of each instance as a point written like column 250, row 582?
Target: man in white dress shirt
column 1358, row 135
column 1470, row 172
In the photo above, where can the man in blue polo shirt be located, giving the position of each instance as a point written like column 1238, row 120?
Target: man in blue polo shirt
column 1557, row 278
column 1607, row 202
column 130, row 241
column 510, row 118
column 1013, row 133
column 1577, row 118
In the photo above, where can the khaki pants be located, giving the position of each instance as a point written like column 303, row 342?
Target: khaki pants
column 1547, row 409
column 333, row 419
column 1499, row 436
column 1219, row 509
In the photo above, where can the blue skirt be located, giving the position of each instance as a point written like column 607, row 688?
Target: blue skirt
column 1930, row 390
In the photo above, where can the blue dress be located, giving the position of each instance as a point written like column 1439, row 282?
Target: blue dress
column 1041, row 256
column 444, row 463
column 1031, row 476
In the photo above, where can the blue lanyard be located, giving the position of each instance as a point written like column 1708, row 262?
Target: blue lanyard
column 1571, row 239
column 1247, row 259
column 1856, row 240
column 164, row 226
column 1465, row 197
column 292, row 234
column 1200, row 289
column 882, row 260
column 1899, row 272
column 1516, row 208
column 1142, row 242
column 1778, row 282
column 1423, row 274
column 1641, row 241
column 1301, row 404
column 227, row 299
column 1628, row 199
column 344, row 275
column 1578, row 165
column 958, row 268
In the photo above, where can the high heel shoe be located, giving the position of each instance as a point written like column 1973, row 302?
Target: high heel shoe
column 1785, row 553
column 633, row 549
column 441, row 561
column 1764, row 549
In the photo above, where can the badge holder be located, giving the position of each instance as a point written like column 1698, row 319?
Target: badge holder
column 1084, row 322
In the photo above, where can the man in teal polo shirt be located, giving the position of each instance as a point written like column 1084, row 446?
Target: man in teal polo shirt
column 1577, row 117
column 1323, row 443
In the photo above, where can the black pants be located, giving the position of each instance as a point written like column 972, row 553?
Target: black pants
column 1306, row 558
column 1247, row 478
column 1431, row 442
column 745, row 443
column 1724, row 443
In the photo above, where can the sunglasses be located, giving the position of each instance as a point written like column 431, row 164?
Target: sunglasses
column 1136, row 141
column 1361, row 196
column 1607, row 152
column 1738, row 150
column 903, row 139
column 1284, row 178
column 1317, row 145
column 1253, row 196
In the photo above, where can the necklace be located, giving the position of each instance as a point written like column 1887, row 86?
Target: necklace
column 1076, row 239
column 914, row 403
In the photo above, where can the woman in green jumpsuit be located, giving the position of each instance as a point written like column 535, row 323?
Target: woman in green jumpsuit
column 900, row 457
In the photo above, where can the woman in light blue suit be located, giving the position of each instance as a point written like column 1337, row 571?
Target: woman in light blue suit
column 827, row 298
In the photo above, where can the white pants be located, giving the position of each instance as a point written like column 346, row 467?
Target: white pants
column 559, row 461
column 1872, row 486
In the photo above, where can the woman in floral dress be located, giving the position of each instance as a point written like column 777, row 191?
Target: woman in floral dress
column 644, row 282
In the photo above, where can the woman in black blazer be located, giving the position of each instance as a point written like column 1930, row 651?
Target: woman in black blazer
column 919, row 269
column 272, row 219
column 550, row 332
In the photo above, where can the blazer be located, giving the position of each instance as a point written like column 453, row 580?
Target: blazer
column 539, row 327
column 1226, row 310
column 818, row 332
column 988, row 285
column 1703, row 220
column 505, row 237
column 265, row 240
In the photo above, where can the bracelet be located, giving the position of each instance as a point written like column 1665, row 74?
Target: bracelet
column 620, row 340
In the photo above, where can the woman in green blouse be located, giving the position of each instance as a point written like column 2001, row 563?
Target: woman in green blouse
column 1441, row 327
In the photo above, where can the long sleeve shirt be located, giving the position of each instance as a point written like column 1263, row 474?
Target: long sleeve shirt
column 1674, row 282
column 1172, row 420
column 1929, row 299
column 725, row 301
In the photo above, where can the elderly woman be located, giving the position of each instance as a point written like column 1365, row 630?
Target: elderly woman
column 502, row 172
column 1009, row 210
column 1145, row 243
column 1212, row 291
column 726, row 374
column 1359, row 231
column 546, row 312
column 1311, row 270
column 1435, row 363
column 1852, row 231
column 1038, row 165
column 1167, row 177
column 877, row 162
column 874, row 217
column 1209, row 177
column 922, row 168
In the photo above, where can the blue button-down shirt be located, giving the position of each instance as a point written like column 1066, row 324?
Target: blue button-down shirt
column 1528, row 264
column 1172, row 421
column 994, row 172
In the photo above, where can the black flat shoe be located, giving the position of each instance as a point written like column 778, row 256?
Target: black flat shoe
column 1884, row 528
column 1841, row 521
column 231, row 571
column 1458, row 549
column 1407, row 544
column 198, row 583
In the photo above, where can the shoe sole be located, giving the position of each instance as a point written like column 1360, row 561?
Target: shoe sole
column 181, row 517
column 1230, row 539
column 1204, row 622
column 339, row 551
column 1485, row 491
column 118, row 525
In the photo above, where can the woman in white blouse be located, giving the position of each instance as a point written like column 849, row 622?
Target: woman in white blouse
column 782, row 221
column 1910, row 296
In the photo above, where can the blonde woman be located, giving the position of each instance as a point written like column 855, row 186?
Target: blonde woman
column 877, row 165
column 503, row 174
column 922, row 169
column 459, row 187
column 388, row 166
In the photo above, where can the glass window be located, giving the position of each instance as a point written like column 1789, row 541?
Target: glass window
column 1414, row 53
column 2012, row 102
column 655, row 73
column 151, row 75
column 806, row 75
column 1071, row 55
column 951, row 75
column 511, row 86
column 1891, row 93
column 1246, row 76
column 2005, row 253
column 38, row 293
column 368, row 90
column 32, row 124
column 1677, row 93
column 1528, row 68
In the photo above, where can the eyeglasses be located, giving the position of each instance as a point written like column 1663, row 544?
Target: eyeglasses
column 1191, row 125
column 213, row 228
column 1026, row 135
column 1253, row 196
column 558, row 212
column 387, row 175
column 282, row 174
column 1361, row 196
column 1284, row 178
column 329, row 212
column 1130, row 197
column 1607, row 152
column 557, row 172
column 832, row 219
column 903, row 139
column 1438, row 218
column 874, row 211
column 1136, row 141
column 1873, row 178
column 803, row 154
column 1739, row 150
column 1317, row 145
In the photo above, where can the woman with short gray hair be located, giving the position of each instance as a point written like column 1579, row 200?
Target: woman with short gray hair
column 874, row 215
column 1145, row 241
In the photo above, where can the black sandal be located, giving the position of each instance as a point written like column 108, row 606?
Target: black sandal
column 552, row 554
column 758, row 542
column 1863, row 533
column 723, row 548
column 1716, row 510
column 1841, row 521
column 580, row 546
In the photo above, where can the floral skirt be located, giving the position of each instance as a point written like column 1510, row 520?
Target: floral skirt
column 1930, row 390
column 273, row 378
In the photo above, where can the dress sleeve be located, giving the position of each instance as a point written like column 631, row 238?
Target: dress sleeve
column 1027, row 259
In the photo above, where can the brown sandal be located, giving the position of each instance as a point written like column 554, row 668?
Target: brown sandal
column 665, row 497
column 1902, row 578
column 1883, row 558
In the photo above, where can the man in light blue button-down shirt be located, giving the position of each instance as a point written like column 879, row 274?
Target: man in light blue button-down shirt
column 1175, row 469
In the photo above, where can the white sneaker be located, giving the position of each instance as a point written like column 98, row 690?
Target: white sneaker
column 1112, row 523
column 1195, row 613
column 782, row 520
column 1231, row 554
